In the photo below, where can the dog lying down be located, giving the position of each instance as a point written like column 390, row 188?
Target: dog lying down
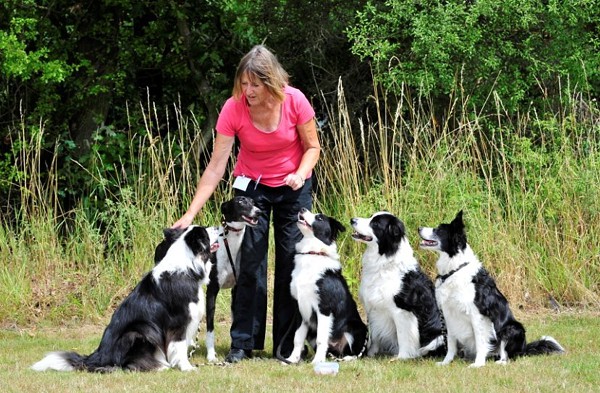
column 157, row 322
column 478, row 317
column 330, row 319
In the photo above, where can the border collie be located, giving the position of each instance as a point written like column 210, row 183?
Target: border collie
column 153, row 327
column 238, row 213
column 329, row 313
column 399, row 298
column 477, row 314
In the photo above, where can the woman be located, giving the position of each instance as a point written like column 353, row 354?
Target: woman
column 279, row 148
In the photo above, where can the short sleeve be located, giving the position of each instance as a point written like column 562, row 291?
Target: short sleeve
column 303, row 108
column 228, row 120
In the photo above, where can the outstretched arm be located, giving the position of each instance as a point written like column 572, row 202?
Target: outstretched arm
column 210, row 178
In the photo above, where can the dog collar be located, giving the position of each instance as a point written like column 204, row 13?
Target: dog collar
column 227, row 228
column 444, row 277
column 322, row 253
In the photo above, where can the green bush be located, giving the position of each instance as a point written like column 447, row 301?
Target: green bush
column 524, row 50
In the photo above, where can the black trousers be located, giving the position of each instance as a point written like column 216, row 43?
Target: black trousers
column 249, row 298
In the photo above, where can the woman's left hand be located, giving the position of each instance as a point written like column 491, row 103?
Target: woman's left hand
column 294, row 180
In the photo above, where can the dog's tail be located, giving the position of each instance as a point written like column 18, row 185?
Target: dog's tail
column 70, row 361
column 278, row 354
column 61, row 361
column 544, row 346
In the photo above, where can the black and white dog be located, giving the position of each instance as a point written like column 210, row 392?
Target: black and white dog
column 477, row 315
column 153, row 327
column 238, row 213
column 399, row 298
column 329, row 313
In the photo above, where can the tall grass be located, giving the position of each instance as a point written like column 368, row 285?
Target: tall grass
column 529, row 185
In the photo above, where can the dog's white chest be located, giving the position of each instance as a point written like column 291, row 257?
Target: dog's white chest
column 379, row 283
column 456, row 297
column 305, row 276
column 378, row 293
column 308, row 271
column 456, row 293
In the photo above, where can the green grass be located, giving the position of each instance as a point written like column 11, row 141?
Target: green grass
column 575, row 371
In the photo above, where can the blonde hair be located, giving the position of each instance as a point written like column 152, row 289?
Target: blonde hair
column 261, row 64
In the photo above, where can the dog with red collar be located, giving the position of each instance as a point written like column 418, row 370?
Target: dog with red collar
column 330, row 320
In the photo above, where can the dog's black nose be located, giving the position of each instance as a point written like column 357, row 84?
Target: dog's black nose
column 353, row 221
column 303, row 210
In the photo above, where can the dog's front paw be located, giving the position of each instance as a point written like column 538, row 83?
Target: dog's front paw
column 404, row 356
column 211, row 355
column 502, row 362
column 212, row 358
column 442, row 363
column 187, row 367
column 476, row 365
column 372, row 350
column 293, row 359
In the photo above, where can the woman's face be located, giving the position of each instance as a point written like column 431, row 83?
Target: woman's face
column 254, row 89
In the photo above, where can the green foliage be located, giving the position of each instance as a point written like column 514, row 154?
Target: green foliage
column 84, row 68
column 519, row 49
column 19, row 62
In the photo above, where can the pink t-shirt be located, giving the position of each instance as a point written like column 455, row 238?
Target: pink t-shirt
column 270, row 156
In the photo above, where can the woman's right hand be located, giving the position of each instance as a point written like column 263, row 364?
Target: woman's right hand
column 184, row 222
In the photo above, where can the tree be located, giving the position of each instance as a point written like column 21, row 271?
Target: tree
column 84, row 67
column 519, row 49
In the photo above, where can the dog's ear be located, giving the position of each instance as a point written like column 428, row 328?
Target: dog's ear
column 171, row 234
column 396, row 229
column 160, row 251
column 336, row 227
column 458, row 221
column 226, row 207
column 460, row 237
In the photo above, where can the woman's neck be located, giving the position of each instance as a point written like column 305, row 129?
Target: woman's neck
column 266, row 116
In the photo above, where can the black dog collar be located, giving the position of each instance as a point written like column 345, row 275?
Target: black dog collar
column 444, row 277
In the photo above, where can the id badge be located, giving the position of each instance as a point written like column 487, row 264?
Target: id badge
column 241, row 183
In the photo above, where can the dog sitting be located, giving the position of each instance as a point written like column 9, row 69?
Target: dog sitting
column 330, row 319
column 399, row 299
column 153, row 327
column 477, row 314
column 238, row 213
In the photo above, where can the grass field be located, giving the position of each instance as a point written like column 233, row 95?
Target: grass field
column 575, row 371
